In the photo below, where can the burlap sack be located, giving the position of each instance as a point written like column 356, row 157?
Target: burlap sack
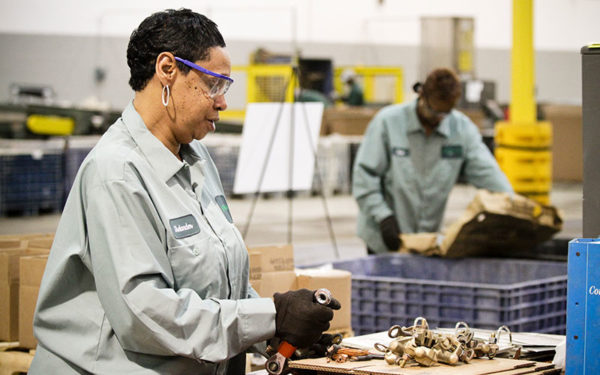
column 500, row 224
column 421, row 243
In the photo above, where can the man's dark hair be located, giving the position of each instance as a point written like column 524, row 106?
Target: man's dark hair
column 184, row 33
column 442, row 84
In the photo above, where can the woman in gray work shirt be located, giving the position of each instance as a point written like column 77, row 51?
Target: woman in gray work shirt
column 147, row 273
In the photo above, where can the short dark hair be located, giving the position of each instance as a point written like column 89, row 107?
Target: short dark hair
column 184, row 33
column 442, row 84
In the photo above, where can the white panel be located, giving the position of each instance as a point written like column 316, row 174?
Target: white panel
column 261, row 129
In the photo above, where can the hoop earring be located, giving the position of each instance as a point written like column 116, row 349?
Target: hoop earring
column 165, row 102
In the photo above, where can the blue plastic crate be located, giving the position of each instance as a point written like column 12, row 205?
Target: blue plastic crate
column 76, row 150
column 525, row 295
column 31, row 179
column 73, row 160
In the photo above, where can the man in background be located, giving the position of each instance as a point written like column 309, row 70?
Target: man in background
column 354, row 96
column 411, row 157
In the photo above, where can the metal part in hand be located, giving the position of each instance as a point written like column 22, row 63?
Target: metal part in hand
column 277, row 364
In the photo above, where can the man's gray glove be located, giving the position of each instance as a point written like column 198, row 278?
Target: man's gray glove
column 300, row 319
column 390, row 232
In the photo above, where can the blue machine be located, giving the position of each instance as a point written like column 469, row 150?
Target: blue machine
column 583, row 307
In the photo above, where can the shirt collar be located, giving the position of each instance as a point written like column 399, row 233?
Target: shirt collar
column 415, row 124
column 157, row 154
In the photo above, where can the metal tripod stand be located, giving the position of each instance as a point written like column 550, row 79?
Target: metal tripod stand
column 293, row 80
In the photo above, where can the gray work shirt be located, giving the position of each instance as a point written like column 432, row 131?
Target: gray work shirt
column 147, row 273
column 401, row 171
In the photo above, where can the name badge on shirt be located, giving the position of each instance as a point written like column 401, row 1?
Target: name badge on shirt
column 184, row 226
column 224, row 207
column 402, row 152
column 452, row 151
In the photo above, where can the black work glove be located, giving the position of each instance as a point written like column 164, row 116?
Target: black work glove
column 316, row 350
column 299, row 319
column 390, row 232
column 319, row 348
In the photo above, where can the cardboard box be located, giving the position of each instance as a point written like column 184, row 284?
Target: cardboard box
column 256, row 284
column 9, row 291
column 347, row 120
column 272, row 258
column 567, row 147
column 26, row 236
column 31, row 269
column 9, row 296
column 12, row 243
column 339, row 283
column 21, row 241
column 273, row 282
column 255, row 266
column 41, row 243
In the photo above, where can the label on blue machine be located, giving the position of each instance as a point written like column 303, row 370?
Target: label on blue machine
column 583, row 307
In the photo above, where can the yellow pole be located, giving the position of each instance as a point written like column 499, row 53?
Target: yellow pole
column 399, row 89
column 369, row 89
column 522, row 103
column 523, row 145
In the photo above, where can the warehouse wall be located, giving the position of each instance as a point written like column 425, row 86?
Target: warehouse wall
column 60, row 43
column 67, row 64
column 559, row 24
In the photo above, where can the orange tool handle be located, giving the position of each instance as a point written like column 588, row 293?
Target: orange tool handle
column 286, row 349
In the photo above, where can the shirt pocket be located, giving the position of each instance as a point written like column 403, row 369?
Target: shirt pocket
column 445, row 174
column 402, row 170
column 199, row 264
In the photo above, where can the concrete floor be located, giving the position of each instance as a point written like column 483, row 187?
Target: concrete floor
column 310, row 234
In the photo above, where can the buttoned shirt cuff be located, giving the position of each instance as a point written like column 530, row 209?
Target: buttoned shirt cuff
column 382, row 214
column 258, row 316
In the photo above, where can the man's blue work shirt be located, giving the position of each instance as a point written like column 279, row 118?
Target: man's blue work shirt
column 401, row 171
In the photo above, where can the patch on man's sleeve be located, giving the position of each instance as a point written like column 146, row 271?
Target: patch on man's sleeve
column 224, row 207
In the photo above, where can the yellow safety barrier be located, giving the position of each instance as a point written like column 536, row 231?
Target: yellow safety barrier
column 537, row 135
column 270, row 83
column 236, row 115
column 523, row 153
column 264, row 83
column 370, row 75
column 524, row 163
column 527, row 171
column 276, row 83
column 50, row 125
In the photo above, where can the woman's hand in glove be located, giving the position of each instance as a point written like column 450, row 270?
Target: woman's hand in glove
column 300, row 319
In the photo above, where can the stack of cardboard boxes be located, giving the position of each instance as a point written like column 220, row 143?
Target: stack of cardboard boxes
column 272, row 270
column 22, row 262
column 31, row 269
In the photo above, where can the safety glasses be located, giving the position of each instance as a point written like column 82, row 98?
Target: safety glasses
column 219, row 87
column 440, row 115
